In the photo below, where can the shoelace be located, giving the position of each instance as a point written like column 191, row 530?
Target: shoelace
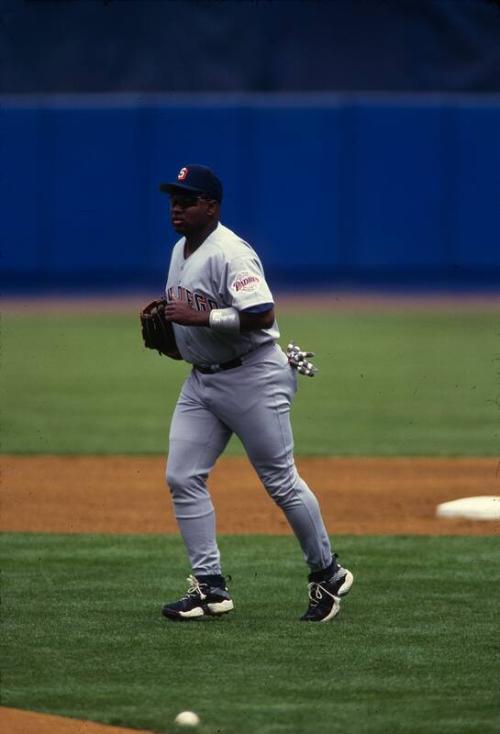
column 194, row 588
column 315, row 595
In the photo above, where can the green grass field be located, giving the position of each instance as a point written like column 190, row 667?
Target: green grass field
column 389, row 384
column 411, row 651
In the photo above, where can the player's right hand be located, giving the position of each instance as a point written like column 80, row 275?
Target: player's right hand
column 299, row 360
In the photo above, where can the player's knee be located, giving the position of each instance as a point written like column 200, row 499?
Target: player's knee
column 176, row 478
column 287, row 490
column 182, row 482
column 280, row 486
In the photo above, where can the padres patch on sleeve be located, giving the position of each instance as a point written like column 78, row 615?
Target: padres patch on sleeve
column 246, row 282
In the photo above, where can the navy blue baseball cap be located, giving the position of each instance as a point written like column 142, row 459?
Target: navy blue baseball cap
column 195, row 179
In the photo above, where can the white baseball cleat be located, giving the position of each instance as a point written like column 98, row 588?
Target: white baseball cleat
column 324, row 596
column 201, row 600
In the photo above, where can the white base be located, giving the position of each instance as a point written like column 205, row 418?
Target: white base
column 471, row 508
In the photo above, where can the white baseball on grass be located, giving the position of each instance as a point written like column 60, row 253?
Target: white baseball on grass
column 187, row 718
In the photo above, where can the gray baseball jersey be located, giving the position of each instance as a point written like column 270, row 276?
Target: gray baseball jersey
column 225, row 271
column 252, row 400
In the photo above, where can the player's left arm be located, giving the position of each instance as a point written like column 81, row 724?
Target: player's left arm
column 257, row 317
column 243, row 288
column 251, row 319
column 246, row 290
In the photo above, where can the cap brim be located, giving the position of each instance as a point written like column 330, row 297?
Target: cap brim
column 170, row 188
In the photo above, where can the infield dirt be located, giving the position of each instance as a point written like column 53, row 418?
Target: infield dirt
column 123, row 494
column 15, row 721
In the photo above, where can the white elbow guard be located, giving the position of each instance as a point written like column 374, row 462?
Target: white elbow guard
column 225, row 320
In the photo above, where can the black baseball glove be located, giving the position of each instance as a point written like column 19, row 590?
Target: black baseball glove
column 157, row 332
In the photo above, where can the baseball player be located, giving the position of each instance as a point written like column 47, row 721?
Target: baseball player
column 222, row 313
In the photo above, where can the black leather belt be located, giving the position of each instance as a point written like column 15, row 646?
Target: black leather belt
column 214, row 368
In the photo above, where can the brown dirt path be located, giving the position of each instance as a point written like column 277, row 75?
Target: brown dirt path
column 120, row 494
column 15, row 721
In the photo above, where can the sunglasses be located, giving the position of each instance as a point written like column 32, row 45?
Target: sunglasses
column 184, row 201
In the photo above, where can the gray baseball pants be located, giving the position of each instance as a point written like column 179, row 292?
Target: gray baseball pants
column 253, row 401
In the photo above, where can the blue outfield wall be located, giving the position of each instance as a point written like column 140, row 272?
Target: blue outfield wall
column 329, row 189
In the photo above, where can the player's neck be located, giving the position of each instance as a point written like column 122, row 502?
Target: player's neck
column 195, row 240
